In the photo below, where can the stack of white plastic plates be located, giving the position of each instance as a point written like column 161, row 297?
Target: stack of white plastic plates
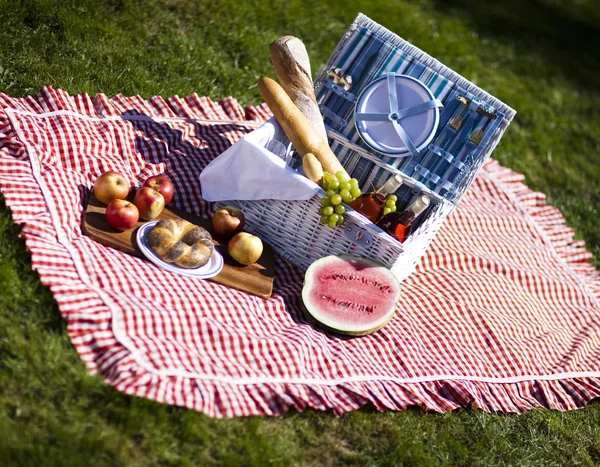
column 381, row 135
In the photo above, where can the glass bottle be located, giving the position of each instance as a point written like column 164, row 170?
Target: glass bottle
column 398, row 224
column 370, row 205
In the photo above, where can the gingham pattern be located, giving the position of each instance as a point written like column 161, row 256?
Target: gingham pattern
column 501, row 314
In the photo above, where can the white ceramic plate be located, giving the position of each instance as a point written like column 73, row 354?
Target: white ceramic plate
column 210, row 269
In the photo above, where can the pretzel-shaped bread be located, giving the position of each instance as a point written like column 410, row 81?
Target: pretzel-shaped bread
column 181, row 242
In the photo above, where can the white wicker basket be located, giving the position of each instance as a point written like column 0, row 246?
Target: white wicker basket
column 293, row 227
column 294, row 231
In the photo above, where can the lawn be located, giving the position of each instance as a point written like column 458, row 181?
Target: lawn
column 541, row 57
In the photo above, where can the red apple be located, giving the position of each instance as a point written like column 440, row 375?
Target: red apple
column 109, row 186
column 245, row 248
column 228, row 221
column 163, row 185
column 121, row 214
column 149, row 202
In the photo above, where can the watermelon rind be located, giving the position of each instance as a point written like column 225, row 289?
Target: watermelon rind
column 321, row 325
column 322, row 320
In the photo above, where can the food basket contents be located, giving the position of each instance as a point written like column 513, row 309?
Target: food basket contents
column 297, row 127
column 409, row 134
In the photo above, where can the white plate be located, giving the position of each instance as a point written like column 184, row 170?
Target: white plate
column 210, row 269
column 381, row 135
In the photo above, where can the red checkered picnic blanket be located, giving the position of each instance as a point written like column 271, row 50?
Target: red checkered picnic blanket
column 502, row 313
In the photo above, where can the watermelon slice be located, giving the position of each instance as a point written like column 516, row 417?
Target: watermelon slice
column 349, row 294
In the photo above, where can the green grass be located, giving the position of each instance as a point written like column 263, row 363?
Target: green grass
column 541, row 58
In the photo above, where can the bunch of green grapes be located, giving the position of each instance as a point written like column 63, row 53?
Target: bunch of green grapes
column 390, row 204
column 338, row 188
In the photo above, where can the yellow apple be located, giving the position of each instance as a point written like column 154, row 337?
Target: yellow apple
column 245, row 248
column 109, row 186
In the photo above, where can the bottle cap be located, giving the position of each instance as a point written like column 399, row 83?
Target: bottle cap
column 389, row 187
column 420, row 204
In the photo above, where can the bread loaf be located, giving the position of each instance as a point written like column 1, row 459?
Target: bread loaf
column 312, row 168
column 297, row 127
column 292, row 66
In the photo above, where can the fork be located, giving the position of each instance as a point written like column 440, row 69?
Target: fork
column 449, row 132
column 468, row 149
column 451, row 129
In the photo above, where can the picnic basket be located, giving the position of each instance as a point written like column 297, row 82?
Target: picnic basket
column 469, row 127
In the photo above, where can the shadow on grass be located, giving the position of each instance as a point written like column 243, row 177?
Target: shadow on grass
column 565, row 36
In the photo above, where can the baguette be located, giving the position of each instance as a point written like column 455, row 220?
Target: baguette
column 312, row 168
column 297, row 127
column 292, row 66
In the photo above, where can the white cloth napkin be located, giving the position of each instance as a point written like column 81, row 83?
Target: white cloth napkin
column 248, row 171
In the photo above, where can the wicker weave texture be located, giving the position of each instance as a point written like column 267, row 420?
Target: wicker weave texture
column 293, row 229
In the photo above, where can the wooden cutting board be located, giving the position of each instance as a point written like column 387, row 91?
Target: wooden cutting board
column 256, row 279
